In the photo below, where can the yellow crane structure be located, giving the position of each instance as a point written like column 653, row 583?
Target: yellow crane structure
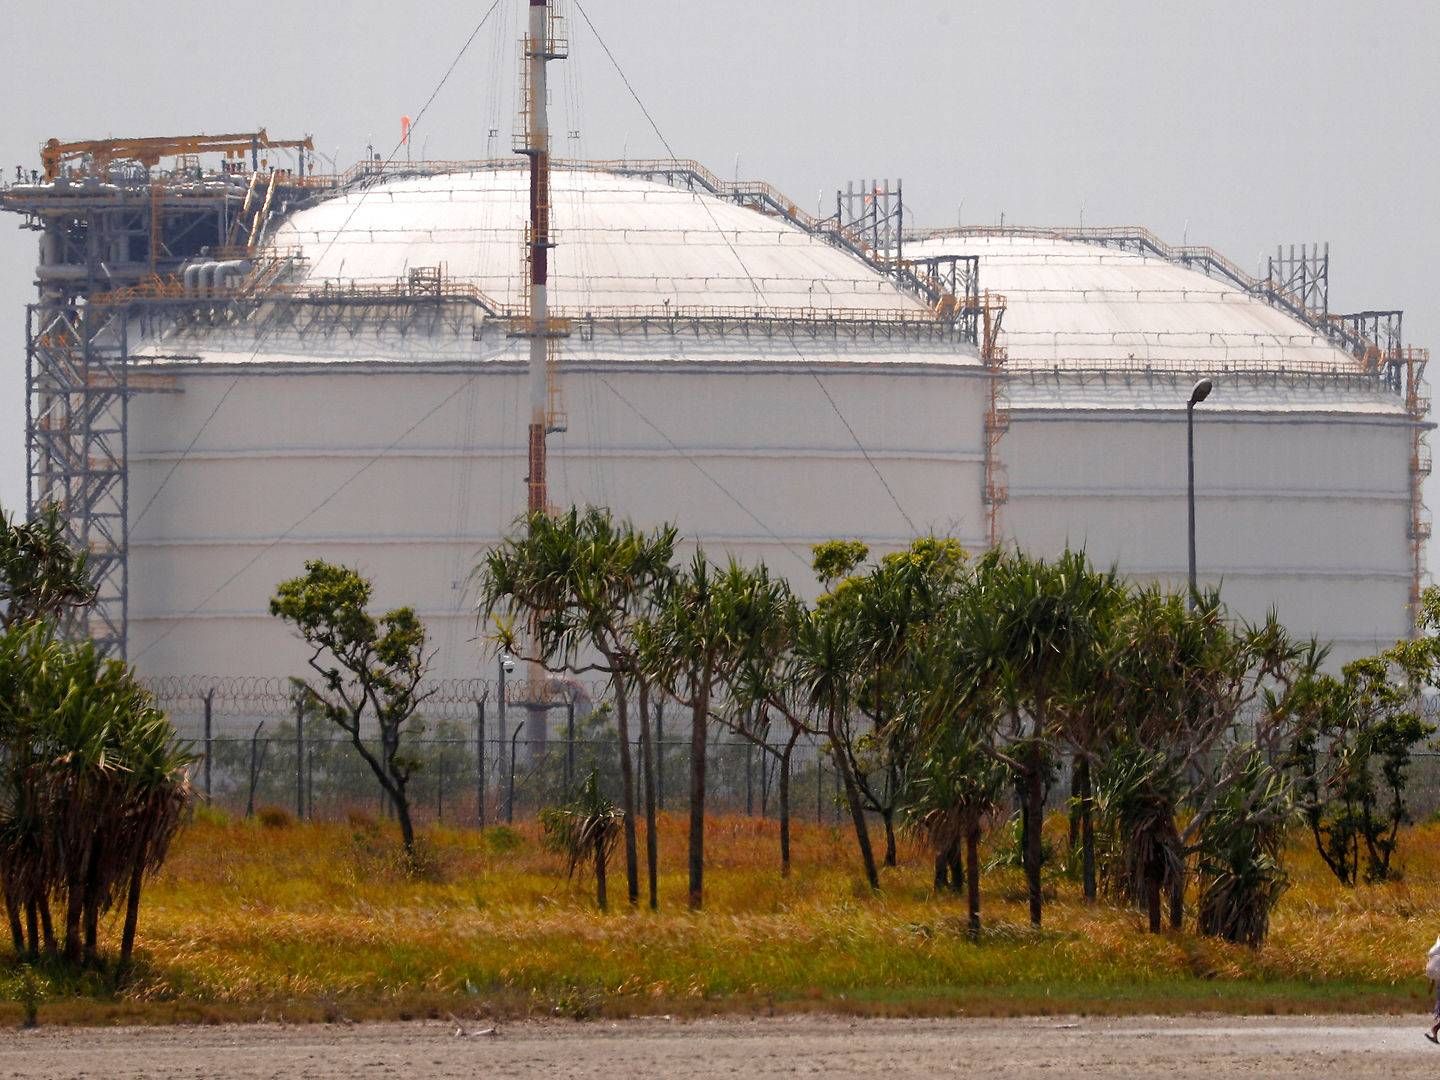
column 100, row 153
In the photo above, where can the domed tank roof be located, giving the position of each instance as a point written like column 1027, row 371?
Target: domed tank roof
column 621, row 242
column 1085, row 305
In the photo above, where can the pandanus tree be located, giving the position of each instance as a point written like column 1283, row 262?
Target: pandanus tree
column 826, row 654
column 692, row 647
column 366, row 666
column 93, row 782
column 892, row 605
column 41, row 575
column 585, row 832
column 94, row 788
column 761, row 684
column 1024, row 623
column 1240, row 799
column 571, row 589
column 1151, row 686
column 958, row 780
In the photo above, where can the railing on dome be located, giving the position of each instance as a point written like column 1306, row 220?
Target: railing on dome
column 948, row 286
column 1347, row 332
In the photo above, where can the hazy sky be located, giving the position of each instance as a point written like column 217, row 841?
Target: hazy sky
column 1236, row 124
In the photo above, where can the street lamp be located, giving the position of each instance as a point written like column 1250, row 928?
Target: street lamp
column 1200, row 392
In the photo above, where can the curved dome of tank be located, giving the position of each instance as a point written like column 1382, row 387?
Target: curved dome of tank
column 1073, row 303
column 622, row 241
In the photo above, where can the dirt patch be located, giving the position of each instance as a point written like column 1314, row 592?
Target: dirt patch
column 834, row 1047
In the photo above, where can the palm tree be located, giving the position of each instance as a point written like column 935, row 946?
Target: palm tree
column 1024, row 623
column 705, row 624
column 585, row 831
column 760, row 683
column 955, row 795
column 582, row 582
column 892, row 605
column 827, row 653
column 41, row 575
column 94, row 789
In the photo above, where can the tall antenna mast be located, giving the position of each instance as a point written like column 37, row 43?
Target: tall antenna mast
column 544, row 42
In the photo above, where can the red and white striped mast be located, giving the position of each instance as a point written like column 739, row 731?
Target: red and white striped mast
column 539, row 51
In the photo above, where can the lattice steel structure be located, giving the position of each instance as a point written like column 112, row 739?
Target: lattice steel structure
column 77, row 379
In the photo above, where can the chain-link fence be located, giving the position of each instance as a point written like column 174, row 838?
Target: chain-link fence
column 259, row 745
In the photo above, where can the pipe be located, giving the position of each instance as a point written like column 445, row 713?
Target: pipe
column 236, row 268
column 190, row 276
column 206, row 277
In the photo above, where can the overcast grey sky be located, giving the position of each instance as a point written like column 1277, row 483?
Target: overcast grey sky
column 1236, row 124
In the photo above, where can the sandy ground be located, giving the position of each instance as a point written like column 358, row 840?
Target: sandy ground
column 809, row 1046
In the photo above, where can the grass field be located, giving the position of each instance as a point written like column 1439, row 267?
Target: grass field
column 313, row 922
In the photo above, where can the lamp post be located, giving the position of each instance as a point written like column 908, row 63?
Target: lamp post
column 1198, row 394
column 504, row 665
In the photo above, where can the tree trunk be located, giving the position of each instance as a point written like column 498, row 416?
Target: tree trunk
column 132, row 919
column 1075, row 802
column 888, row 816
column 1152, row 902
column 1034, row 848
column 627, row 795
column 32, row 926
column 698, row 715
column 1177, row 902
column 47, row 927
column 957, row 865
column 857, row 813
column 401, row 804
column 972, row 878
column 942, row 870
column 1087, row 829
column 92, row 908
column 785, row 804
column 647, row 760
column 74, row 910
column 601, row 900
column 17, row 931
column 92, row 931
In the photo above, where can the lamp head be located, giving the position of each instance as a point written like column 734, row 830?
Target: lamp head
column 507, row 664
column 1200, row 392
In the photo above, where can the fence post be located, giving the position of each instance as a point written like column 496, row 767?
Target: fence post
column 659, row 753
column 209, row 701
column 510, row 798
column 300, row 757
column 480, row 762
column 570, row 749
column 440, row 785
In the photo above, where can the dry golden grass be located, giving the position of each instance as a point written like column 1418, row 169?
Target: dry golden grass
column 316, row 921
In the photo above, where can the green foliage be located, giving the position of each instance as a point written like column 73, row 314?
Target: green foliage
column 41, row 575
column 938, row 681
column 836, row 559
column 584, row 832
column 366, row 666
column 1141, row 852
column 1242, row 839
column 1351, row 754
column 93, row 788
column 502, row 840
